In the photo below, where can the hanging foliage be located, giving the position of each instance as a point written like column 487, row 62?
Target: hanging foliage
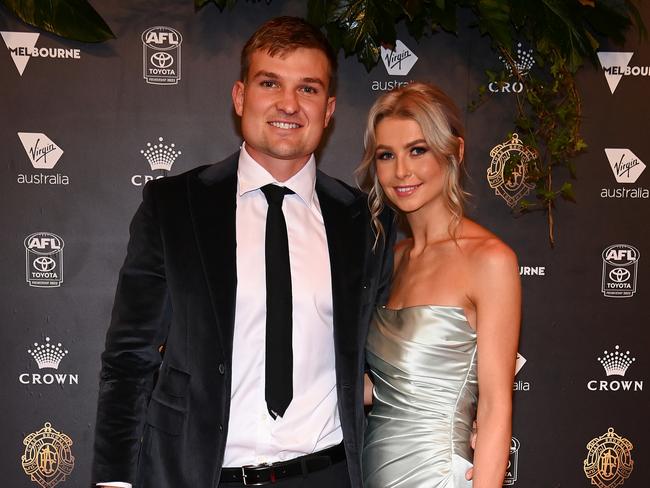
column 563, row 34
column 71, row 19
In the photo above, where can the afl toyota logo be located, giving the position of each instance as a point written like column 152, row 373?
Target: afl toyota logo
column 44, row 260
column 620, row 263
column 162, row 60
column 44, row 263
column 619, row 275
column 161, row 55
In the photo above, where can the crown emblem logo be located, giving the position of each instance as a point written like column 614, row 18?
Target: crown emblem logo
column 48, row 459
column 616, row 362
column 47, row 355
column 160, row 156
column 523, row 63
column 609, row 462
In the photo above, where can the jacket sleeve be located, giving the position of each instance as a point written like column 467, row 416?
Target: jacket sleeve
column 131, row 359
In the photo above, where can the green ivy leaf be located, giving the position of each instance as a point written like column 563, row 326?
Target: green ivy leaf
column 567, row 192
column 71, row 19
column 316, row 11
column 494, row 20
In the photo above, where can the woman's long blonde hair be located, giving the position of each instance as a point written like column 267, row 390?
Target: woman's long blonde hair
column 440, row 122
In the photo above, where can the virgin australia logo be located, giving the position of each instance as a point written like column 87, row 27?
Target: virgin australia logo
column 42, row 151
column 398, row 61
column 520, row 385
column 627, row 167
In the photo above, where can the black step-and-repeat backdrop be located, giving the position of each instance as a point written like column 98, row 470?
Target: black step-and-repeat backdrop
column 84, row 127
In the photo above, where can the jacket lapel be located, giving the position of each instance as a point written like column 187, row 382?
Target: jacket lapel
column 212, row 195
column 346, row 240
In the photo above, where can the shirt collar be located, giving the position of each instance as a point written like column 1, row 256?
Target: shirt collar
column 252, row 176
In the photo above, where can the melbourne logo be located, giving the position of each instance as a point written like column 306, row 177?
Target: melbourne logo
column 513, row 463
column 47, row 459
column 43, row 153
column 520, row 385
column 627, row 168
column 514, row 186
column 615, row 363
column 523, row 63
column 160, row 157
column 22, row 47
column 44, row 260
column 48, row 356
column 161, row 55
column 532, row 270
column 615, row 66
column 609, row 461
column 620, row 264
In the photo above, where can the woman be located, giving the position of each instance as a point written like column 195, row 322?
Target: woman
column 451, row 325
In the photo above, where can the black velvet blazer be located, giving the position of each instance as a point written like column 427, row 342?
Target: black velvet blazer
column 162, row 423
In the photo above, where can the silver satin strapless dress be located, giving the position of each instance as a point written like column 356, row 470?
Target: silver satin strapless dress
column 423, row 363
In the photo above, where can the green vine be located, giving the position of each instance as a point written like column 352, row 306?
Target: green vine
column 562, row 33
column 547, row 114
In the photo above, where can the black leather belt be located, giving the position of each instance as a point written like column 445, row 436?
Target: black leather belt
column 270, row 473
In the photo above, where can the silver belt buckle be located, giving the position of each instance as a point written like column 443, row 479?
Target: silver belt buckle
column 253, row 467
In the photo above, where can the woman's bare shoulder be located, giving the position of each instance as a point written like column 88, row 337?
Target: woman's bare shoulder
column 485, row 250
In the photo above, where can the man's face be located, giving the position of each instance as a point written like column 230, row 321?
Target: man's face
column 284, row 107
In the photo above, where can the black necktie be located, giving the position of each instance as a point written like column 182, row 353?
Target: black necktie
column 279, row 352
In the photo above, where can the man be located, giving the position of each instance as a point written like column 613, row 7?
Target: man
column 190, row 394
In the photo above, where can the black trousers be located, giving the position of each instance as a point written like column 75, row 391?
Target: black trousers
column 335, row 475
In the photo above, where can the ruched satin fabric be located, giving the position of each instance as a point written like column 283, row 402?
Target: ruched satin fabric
column 423, row 364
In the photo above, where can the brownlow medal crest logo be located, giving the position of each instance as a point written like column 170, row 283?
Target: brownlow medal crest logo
column 47, row 459
column 514, row 186
column 609, row 462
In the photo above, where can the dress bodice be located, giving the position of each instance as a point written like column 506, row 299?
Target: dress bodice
column 424, row 367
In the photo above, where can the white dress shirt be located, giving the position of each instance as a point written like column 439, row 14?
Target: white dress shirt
column 311, row 422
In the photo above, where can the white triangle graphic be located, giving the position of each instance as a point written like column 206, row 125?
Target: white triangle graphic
column 519, row 363
column 398, row 61
column 41, row 150
column 17, row 40
column 626, row 166
column 619, row 62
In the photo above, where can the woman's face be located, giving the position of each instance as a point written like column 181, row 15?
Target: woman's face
column 410, row 175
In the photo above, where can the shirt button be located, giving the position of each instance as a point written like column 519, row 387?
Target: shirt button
column 222, row 368
column 220, row 427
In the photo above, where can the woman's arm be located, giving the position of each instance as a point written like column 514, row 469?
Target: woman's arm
column 496, row 292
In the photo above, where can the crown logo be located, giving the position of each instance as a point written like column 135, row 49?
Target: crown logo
column 161, row 155
column 47, row 355
column 523, row 63
column 615, row 362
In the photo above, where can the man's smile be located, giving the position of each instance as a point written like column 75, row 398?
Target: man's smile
column 285, row 125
